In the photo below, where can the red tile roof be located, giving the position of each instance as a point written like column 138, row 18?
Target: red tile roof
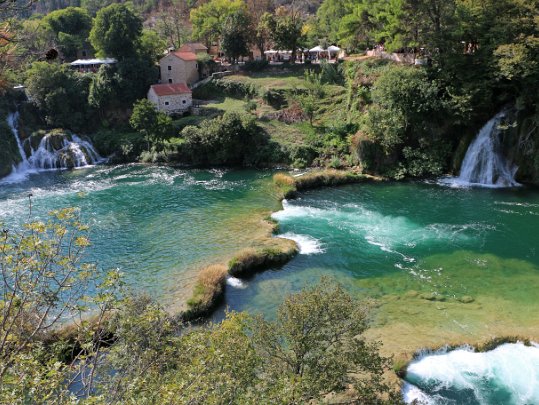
column 170, row 89
column 193, row 46
column 188, row 56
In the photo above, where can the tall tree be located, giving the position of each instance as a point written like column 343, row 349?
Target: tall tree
column 172, row 24
column 236, row 35
column 209, row 18
column 71, row 27
column 116, row 32
column 286, row 29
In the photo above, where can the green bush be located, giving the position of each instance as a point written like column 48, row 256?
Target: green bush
column 232, row 139
column 256, row 65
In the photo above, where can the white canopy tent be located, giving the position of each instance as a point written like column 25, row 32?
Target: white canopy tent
column 331, row 51
column 334, row 49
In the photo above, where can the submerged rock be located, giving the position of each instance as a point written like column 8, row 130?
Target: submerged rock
column 466, row 299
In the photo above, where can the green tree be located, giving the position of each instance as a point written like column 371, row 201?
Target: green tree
column 209, row 18
column 155, row 126
column 316, row 346
column 60, row 93
column 152, row 46
column 263, row 33
column 71, row 27
column 45, row 282
column 286, row 29
column 229, row 139
column 236, row 35
column 116, row 32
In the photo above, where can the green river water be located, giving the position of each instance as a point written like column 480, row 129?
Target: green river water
column 443, row 265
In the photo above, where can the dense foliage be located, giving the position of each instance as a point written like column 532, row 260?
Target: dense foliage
column 232, row 139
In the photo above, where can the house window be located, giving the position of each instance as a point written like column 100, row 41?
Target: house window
column 166, row 103
column 170, row 80
column 183, row 101
column 170, row 68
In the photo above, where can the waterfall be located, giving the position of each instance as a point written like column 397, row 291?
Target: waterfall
column 484, row 164
column 55, row 151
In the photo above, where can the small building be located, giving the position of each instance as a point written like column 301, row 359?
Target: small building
column 91, row 65
column 195, row 47
column 171, row 98
column 179, row 67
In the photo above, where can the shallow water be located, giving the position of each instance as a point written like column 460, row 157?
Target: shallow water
column 157, row 224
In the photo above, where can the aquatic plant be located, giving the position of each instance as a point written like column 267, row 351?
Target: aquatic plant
column 250, row 260
column 289, row 186
column 285, row 183
column 207, row 292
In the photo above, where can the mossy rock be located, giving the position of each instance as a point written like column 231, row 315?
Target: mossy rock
column 466, row 299
column 432, row 297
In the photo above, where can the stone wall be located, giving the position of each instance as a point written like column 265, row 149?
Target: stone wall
column 181, row 71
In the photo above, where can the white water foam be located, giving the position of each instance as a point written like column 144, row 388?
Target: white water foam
column 74, row 152
column 307, row 244
column 484, row 164
column 388, row 233
column 235, row 282
column 509, row 373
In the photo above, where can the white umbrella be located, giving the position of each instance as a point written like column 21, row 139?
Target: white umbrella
column 317, row 48
column 334, row 49
column 270, row 52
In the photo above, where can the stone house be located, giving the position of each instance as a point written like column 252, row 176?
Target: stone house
column 171, row 98
column 179, row 67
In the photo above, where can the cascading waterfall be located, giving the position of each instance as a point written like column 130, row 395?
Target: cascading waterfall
column 484, row 163
column 53, row 152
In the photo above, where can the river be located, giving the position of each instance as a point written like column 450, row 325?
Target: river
column 442, row 265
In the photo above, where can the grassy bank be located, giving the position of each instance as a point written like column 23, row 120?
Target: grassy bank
column 209, row 289
column 249, row 261
column 289, row 186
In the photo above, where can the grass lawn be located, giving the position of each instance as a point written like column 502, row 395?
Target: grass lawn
column 286, row 135
column 226, row 104
column 271, row 80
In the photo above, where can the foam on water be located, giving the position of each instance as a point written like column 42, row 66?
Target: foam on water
column 388, row 233
column 235, row 282
column 508, row 374
column 307, row 244
column 484, row 164
column 74, row 152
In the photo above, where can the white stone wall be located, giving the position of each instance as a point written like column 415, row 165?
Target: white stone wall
column 180, row 71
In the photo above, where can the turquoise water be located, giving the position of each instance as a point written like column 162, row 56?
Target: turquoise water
column 388, row 238
column 156, row 224
column 443, row 265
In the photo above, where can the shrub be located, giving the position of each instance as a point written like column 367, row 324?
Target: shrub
column 250, row 260
column 285, row 183
column 256, row 65
column 208, row 291
column 324, row 178
column 228, row 140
